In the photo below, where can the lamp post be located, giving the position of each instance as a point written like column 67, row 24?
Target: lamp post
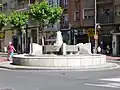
column 97, row 26
column 95, row 36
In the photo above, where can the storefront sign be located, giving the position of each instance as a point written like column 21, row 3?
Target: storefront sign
column 1, row 35
column 91, row 32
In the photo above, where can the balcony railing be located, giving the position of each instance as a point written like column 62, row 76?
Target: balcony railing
column 104, row 1
column 105, row 19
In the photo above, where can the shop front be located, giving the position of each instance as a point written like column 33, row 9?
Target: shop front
column 116, row 44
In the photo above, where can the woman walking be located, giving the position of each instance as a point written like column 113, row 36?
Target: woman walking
column 11, row 50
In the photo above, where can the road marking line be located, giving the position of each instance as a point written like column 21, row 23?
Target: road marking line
column 109, row 85
column 111, row 79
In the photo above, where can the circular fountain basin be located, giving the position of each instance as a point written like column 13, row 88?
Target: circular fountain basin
column 59, row 60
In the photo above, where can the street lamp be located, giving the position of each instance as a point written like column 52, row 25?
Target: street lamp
column 95, row 36
column 97, row 26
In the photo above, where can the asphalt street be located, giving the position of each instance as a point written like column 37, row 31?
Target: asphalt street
column 60, row 80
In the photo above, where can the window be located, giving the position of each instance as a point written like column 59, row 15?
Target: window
column 12, row 4
column 65, row 19
column 117, row 10
column 21, row 2
column 65, row 3
column 76, row 15
column 106, row 12
column 88, row 13
column 5, row 6
column 85, row 17
column 50, row 2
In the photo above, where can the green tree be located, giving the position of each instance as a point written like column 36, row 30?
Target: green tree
column 45, row 14
column 3, row 23
column 18, row 20
column 3, row 20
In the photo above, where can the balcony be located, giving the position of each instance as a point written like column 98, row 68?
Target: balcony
column 104, row 1
column 88, row 22
column 104, row 19
column 116, row 19
column 21, row 6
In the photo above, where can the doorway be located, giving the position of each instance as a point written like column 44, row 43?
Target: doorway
column 118, row 45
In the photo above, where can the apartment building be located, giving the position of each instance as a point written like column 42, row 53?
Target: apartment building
column 22, row 5
column 116, row 30
column 78, row 21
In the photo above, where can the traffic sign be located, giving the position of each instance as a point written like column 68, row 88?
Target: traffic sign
column 91, row 32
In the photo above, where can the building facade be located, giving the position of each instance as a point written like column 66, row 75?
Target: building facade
column 22, row 5
column 116, row 31
column 77, row 22
column 79, row 17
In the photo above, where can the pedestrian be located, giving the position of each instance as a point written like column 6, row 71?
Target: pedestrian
column 11, row 50
column 108, row 49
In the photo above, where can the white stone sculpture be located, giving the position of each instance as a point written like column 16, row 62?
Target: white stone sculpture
column 37, row 49
column 64, row 49
column 84, row 48
column 59, row 39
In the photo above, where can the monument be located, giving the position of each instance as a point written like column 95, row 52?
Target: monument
column 69, row 55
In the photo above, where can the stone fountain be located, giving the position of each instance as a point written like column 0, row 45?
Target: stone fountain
column 60, row 55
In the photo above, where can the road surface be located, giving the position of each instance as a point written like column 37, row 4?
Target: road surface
column 60, row 80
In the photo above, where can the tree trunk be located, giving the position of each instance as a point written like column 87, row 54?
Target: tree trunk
column 31, row 45
column 19, row 46
column 42, row 36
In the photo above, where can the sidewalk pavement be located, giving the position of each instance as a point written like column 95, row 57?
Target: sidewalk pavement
column 112, row 58
column 3, row 59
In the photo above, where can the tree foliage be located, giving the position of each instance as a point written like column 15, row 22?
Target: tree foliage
column 18, row 19
column 44, row 13
column 3, row 20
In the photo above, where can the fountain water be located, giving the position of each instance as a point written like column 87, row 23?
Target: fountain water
column 70, row 55
column 59, row 39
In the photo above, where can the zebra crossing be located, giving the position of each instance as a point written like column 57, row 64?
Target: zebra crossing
column 106, row 83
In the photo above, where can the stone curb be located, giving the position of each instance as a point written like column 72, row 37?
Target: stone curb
column 7, row 65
